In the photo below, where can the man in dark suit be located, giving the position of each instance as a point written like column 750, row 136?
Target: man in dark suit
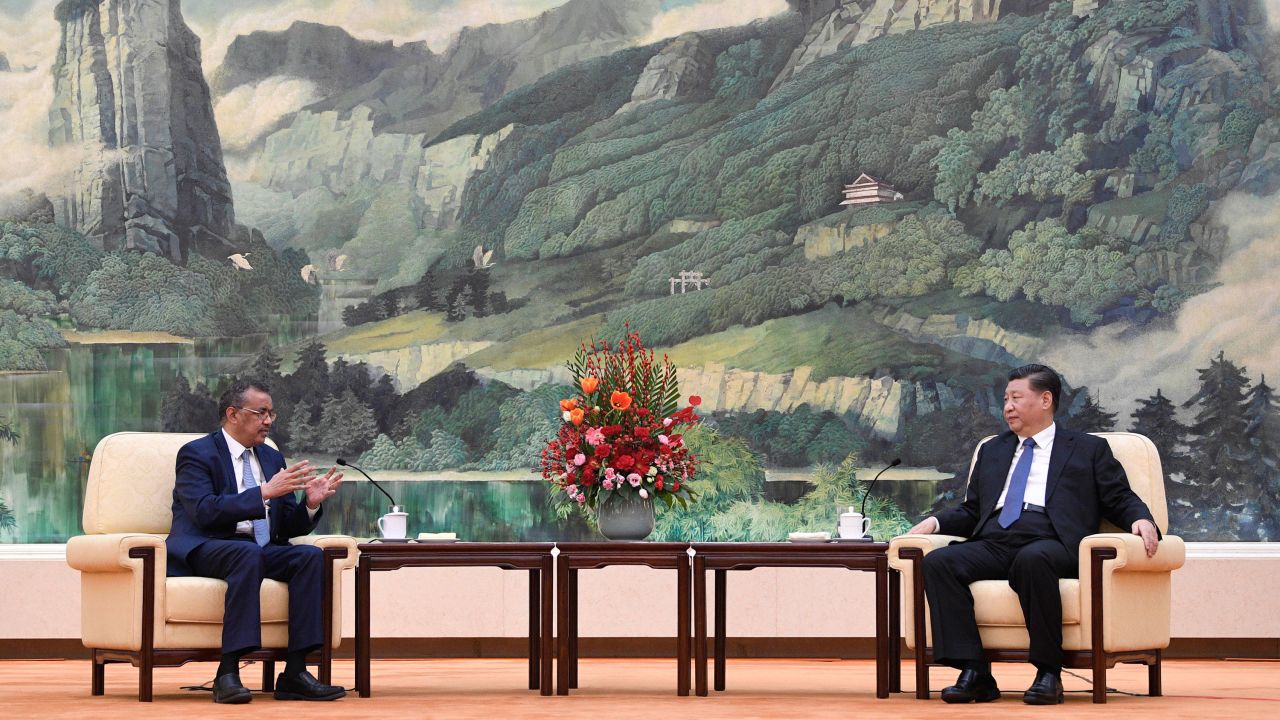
column 1034, row 493
column 234, row 511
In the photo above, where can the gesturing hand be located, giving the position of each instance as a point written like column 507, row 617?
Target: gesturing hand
column 1149, row 536
column 295, row 477
column 322, row 487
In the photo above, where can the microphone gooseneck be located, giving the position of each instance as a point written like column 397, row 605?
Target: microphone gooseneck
column 344, row 463
column 896, row 462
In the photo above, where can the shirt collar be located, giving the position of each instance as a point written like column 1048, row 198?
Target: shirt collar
column 1045, row 436
column 233, row 445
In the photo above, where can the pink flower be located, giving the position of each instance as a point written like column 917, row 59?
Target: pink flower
column 571, row 491
column 664, row 439
column 608, row 484
column 635, row 479
column 666, row 422
column 594, row 436
column 609, row 473
column 644, row 494
column 579, row 459
column 581, row 499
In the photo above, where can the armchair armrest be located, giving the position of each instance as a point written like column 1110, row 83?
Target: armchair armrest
column 332, row 541
column 112, row 552
column 925, row 543
column 1131, row 556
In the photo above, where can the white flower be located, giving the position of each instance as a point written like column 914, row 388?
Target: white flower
column 566, row 416
column 652, row 471
column 644, row 494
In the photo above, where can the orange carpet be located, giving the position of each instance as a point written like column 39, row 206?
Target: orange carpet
column 493, row 689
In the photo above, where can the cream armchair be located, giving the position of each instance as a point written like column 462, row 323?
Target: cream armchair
column 129, row 611
column 1117, row 611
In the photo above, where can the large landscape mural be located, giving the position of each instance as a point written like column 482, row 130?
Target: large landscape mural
column 843, row 220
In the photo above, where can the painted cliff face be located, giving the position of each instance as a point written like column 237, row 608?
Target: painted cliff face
column 844, row 221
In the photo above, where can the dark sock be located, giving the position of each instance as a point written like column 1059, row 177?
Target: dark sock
column 981, row 666
column 230, row 663
column 1051, row 669
column 295, row 663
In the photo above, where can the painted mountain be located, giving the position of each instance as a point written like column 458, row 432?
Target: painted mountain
column 433, row 230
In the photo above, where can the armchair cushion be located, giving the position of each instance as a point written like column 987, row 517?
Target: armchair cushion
column 200, row 600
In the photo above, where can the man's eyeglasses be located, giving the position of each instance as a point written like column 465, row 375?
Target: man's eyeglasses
column 268, row 414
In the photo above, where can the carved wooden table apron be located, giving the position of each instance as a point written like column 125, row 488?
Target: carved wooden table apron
column 867, row 556
column 576, row 556
column 534, row 557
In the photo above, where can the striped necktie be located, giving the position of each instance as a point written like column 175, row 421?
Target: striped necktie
column 261, row 528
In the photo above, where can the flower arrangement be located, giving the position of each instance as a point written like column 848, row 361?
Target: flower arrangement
column 622, row 430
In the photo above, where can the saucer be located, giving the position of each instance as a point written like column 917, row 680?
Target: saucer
column 393, row 540
column 864, row 538
column 437, row 541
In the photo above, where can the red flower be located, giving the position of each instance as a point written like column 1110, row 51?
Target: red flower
column 624, row 462
column 603, row 450
column 642, row 432
column 658, row 482
column 695, row 400
column 611, row 430
column 642, row 411
column 675, row 487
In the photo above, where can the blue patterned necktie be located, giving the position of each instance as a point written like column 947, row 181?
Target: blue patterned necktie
column 261, row 529
column 1017, row 485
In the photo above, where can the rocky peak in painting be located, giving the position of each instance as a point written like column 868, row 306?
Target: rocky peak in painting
column 484, row 63
column 838, row 24
column 129, row 91
column 326, row 55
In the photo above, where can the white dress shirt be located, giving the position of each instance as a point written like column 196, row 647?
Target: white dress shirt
column 1038, row 480
column 245, row 527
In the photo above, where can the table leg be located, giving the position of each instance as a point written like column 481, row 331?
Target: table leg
column 882, row 627
column 362, row 630
column 546, row 634
column 722, row 577
column 573, row 628
column 562, row 625
column 895, row 631
column 682, row 620
column 700, row 625
column 535, row 620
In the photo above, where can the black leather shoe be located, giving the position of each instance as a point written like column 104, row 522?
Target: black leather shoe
column 1046, row 690
column 227, row 689
column 304, row 686
column 972, row 686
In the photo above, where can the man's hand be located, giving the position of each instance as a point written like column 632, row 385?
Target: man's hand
column 295, row 477
column 322, row 487
column 1149, row 535
column 927, row 526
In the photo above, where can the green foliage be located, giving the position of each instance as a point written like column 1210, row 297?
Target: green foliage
column 8, row 522
column 347, row 425
column 134, row 291
column 1091, row 417
column 525, row 422
column 473, row 417
column 1047, row 264
column 22, row 338
column 46, row 257
column 1239, row 127
column 1040, row 176
column 1156, row 155
column 801, row 437
column 185, row 410
column 1186, row 204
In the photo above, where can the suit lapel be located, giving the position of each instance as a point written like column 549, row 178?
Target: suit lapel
column 993, row 482
column 1064, row 442
column 224, row 459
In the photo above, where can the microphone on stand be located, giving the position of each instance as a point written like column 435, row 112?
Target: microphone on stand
column 896, row 462
column 394, row 506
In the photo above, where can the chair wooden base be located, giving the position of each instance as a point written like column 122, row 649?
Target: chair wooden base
column 148, row 658
column 1079, row 660
column 1099, row 662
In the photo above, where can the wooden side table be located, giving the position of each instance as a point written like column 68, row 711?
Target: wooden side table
column 534, row 557
column 867, row 556
column 575, row 556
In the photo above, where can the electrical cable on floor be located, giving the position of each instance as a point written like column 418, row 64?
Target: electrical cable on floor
column 1090, row 683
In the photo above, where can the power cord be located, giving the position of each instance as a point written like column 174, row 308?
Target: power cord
column 1109, row 689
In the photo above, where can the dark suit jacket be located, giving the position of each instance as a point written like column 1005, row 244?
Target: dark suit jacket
column 1085, row 484
column 207, row 506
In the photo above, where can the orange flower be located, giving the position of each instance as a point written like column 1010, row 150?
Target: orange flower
column 568, row 405
column 620, row 400
column 576, row 415
column 589, row 385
